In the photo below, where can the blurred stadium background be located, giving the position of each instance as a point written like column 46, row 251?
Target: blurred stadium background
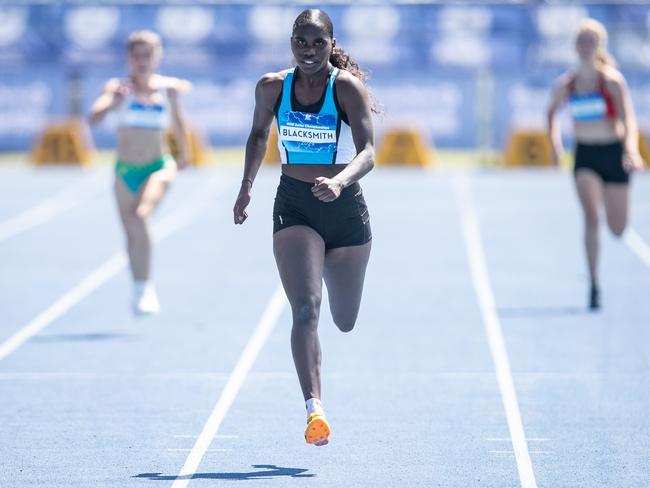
column 100, row 400
column 462, row 75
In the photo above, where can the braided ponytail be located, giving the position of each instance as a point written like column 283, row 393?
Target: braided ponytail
column 342, row 60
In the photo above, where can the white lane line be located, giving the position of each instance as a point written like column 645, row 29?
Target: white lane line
column 207, row 450
column 47, row 376
column 512, row 452
column 264, row 327
column 167, row 226
column 507, row 439
column 34, row 375
column 89, row 284
column 637, row 244
column 51, row 207
column 194, row 436
column 487, row 305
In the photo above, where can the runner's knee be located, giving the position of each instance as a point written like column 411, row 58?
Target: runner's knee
column 617, row 228
column 143, row 211
column 345, row 324
column 134, row 225
column 344, row 320
column 591, row 218
column 306, row 310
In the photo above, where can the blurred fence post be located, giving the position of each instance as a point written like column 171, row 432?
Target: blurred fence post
column 485, row 114
column 74, row 88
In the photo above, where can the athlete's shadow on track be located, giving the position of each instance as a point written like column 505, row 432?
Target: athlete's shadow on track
column 270, row 471
column 541, row 312
column 95, row 336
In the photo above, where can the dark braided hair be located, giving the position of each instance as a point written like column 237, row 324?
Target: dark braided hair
column 339, row 57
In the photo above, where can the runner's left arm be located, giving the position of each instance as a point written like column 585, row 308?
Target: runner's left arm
column 178, row 122
column 355, row 102
column 621, row 96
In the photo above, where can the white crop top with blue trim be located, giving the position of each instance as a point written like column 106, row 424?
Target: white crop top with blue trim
column 313, row 138
column 133, row 113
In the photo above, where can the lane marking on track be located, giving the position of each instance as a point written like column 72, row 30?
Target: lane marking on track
column 51, row 207
column 194, row 436
column 637, row 244
column 255, row 344
column 510, row 453
column 184, row 376
column 480, row 277
column 167, row 226
column 27, row 376
column 207, row 450
column 507, row 439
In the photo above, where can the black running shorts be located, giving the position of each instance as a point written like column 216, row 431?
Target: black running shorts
column 341, row 223
column 606, row 160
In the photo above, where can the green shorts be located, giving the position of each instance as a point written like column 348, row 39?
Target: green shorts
column 134, row 175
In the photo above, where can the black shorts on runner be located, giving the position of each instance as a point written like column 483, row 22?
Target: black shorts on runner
column 341, row 223
column 606, row 160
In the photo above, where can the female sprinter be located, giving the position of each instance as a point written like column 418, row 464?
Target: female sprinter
column 145, row 104
column 606, row 138
column 321, row 226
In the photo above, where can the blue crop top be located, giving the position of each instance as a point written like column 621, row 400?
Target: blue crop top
column 318, row 134
column 596, row 105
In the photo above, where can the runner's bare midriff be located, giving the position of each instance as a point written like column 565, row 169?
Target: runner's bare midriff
column 598, row 131
column 140, row 146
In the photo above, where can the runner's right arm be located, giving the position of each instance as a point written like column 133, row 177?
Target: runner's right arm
column 558, row 98
column 113, row 95
column 267, row 92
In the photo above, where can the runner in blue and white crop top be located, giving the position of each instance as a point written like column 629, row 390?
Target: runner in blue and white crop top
column 145, row 106
column 321, row 223
column 135, row 114
column 316, row 134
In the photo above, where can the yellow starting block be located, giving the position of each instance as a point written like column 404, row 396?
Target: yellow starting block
column 403, row 147
column 193, row 141
column 528, row 148
column 64, row 142
column 272, row 155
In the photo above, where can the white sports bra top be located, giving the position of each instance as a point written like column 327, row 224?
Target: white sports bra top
column 134, row 113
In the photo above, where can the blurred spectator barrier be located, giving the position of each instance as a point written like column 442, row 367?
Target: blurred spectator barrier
column 403, row 147
column 194, row 144
column 272, row 155
column 528, row 148
column 644, row 149
column 65, row 142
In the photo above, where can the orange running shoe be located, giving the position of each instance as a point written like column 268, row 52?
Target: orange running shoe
column 318, row 430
